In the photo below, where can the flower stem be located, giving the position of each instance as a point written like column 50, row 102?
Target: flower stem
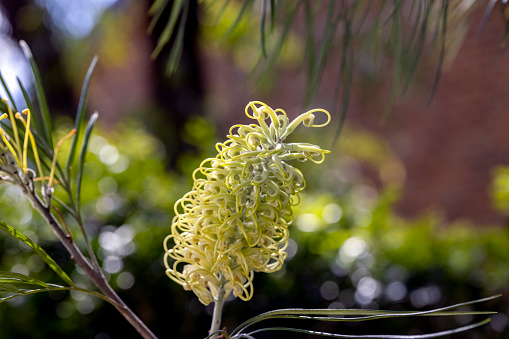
column 95, row 275
column 218, row 311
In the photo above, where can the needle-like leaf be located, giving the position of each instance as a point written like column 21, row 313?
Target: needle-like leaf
column 80, row 115
column 41, row 97
column 38, row 250
column 83, row 152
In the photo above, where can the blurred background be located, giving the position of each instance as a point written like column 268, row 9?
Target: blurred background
column 409, row 212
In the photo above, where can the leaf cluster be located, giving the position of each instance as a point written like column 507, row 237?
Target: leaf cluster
column 391, row 33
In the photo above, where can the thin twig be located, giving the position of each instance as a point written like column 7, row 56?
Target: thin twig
column 61, row 217
column 77, row 256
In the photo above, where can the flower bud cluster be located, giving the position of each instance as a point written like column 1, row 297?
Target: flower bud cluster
column 235, row 220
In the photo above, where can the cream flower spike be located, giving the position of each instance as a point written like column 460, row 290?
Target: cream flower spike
column 235, row 220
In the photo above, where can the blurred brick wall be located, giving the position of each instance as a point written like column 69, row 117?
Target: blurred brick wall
column 123, row 80
column 449, row 148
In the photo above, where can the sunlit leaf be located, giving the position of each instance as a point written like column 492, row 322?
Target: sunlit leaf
column 8, row 288
column 38, row 250
column 373, row 336
column 18, row 278
column 357, row 314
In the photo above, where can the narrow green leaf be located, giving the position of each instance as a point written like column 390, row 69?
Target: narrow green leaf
column 262, row 28
column 381, row 315
column 65, row 206
column 80, row 115
column 375, row 336
column 3, row 106
column 36, row 122
column 156, row 6
column 178, row 45
column 8, row 288
column 419, row 44
column 444, row 11
column 276, row 50
column 310, row 41
column 18, row 278
column 328, row 36
column 176, row 11
column 345, row 77
column 38, row 250
column 8, row 92
column 395, row 10
column 272, row 14
column 246, row 5
column 53, row 287
column 83, row 152
column 41, row 97
column 358, row 314
column 156, row 10
column 364, row 16
column 221, row 11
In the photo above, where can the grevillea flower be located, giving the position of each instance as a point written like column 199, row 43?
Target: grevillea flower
column 13, row 148
column 235, row 220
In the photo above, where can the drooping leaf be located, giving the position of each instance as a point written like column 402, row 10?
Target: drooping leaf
column 8, row 288
column 443, row 20
column 357, row 314
column 156, row 10
column 262, row 28
column 393, row 29
column 18, row 278
column 49, row 288
column 176, row 12
column 317, row 71
column 244, row 10
column 38, row 250
column 372, row 336
column 178, row 46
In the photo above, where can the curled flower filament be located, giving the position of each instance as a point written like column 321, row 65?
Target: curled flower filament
column 234, row 221
column 18, row 148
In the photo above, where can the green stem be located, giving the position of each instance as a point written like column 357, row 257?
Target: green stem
column 96, row 276
column 218, row 311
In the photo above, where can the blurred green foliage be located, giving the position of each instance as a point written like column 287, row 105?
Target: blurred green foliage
column 500, row 189
column 348, row 248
